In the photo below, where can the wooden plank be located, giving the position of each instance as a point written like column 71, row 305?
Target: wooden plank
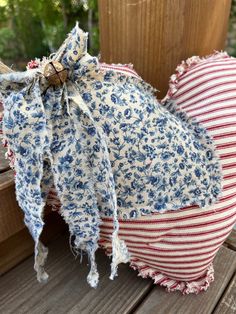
column 157, row 35
column 15, row 249
column 227, row 305
column 6, row 179
column 20, row 245
column 159, row 301
column 230, row 242
column 4, row 163
column 67, row 290
column 11, row 216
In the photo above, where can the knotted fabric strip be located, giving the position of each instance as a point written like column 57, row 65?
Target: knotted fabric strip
column 57, row 142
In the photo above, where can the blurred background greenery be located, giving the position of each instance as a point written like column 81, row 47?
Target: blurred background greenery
column 231, row 38
column 30, row 28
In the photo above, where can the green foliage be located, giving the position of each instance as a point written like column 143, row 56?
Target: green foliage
column 7, row 37
column 231, row 40
column 35, row 28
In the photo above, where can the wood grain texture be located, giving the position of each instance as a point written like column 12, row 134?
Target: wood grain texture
column 20, row 245
column 227, row 305
column 230, row 242
column 158, row 301
column 6, row 179
column 11, row 217
column 15, row 249
column 156, row 35
column 67, row 290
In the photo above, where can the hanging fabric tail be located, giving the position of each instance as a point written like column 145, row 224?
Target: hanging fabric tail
column 55, row 140
column 41, row 253
column 120, row 252
column 93, row 276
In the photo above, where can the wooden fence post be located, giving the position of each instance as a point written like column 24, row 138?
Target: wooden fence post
column 156, row 35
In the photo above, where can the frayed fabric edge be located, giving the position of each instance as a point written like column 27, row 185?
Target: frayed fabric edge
column 40, row 257
column 171, row 285
column 120, row 254
column 185, row 66
column 173, row 108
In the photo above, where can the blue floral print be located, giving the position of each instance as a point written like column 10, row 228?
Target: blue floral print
column 107, row 145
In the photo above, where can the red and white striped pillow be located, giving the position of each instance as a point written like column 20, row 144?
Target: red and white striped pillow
column 176, row 248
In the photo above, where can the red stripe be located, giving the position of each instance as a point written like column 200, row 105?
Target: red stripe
column 203, row 82
column 169, row 242
column 197, row 225
column 167, row 277
column 230, row 176
column 185, row 242
column 167, row 272
column 170, row 277
column 202, row 114
column 229, row 186
column 207, row 90
column 181, row 262
column 172, row 256
column 226, row 145
column 172, row 234
column 178, row 267
column 177, row 219
column 172, row 287
column 226, row 198
column 228, row 155
column 224, row 135
column 229, row 166
column 150, row 247
column 162, row 281
column 208, row 97
column 222, row 116
column 119, row 68
column 158, row 262
column 221, row 126
column 206, row 65
column 196, row 234
column 195, row 78
column 215, row 102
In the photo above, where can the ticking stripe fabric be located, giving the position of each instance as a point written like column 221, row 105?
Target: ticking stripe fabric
column 176, row 248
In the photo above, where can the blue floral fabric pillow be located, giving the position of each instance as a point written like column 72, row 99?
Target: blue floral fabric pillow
column 106, row 144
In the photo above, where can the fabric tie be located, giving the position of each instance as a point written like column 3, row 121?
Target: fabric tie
column 53, row 136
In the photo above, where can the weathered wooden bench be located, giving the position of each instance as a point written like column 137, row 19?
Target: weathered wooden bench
column 67, row 290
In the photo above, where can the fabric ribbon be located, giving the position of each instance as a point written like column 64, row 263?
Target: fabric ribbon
column 56, row 141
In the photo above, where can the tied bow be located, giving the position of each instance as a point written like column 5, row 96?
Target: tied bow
column 48, row 151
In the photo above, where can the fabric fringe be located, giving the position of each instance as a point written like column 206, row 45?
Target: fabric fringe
column 171, row 285
column 187, row 65
column 81, row 248
column 120, row 254
column 93, row 276
column 40, row 256
column 169, row 103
